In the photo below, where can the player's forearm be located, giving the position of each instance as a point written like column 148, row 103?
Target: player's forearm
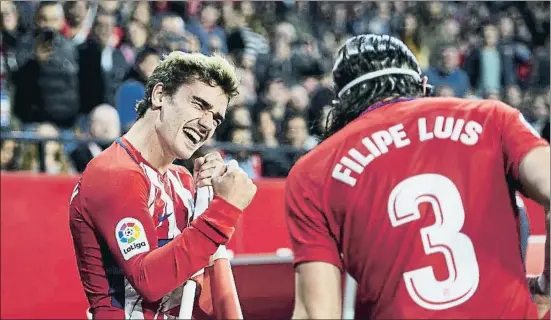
column 164, row 269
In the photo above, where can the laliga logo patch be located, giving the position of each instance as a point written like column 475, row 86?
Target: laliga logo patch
column 131, row 238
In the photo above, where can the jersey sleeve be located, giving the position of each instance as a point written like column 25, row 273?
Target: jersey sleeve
column 117, row 206
column 309, row 229
column 518, row 139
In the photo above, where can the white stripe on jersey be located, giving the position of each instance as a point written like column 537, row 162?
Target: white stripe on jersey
column 155, row 180
column 182, row 192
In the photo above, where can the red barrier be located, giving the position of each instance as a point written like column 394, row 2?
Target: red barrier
column 39, row 277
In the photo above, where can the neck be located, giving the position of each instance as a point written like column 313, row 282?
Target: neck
column 145, row 140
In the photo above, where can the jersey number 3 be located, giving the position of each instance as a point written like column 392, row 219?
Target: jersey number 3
column 444, row 237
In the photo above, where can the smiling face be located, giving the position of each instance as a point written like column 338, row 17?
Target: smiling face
column 189, row 118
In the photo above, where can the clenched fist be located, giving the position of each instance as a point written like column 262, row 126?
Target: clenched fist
column 233, row 185
column 204, row 167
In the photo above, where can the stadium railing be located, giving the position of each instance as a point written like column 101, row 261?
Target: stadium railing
column 25, row 137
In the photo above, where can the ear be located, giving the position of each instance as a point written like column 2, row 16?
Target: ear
column 157, row 96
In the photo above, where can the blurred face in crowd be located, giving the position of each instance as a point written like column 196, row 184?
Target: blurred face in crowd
column 383, row 6
column 173, row 24
column 491, row 35
column 445, row 92
column 142, row 13
column 506, row 27
column 286, row 32
column 242, row 137
column 104, row 28
column 148, row 65
column 399, row 6
column 435, row 8
column 215, row 44
column 76, row 11
column 340, row 13
column 541, row 108
column 278, row 92
column 297, row 132
column 410, row 23
column 514, row 96
column 299, row 98
column 7, row 152
column 47, row 130
column 249, row 61
column 247, row 9
column 185, row 121
column 450, row 58
column 50, row 16
column 9, row 16
column 105, row 123
column 209, row 16
column 109, row 6
column 266, row 125
column 241, row 117
column 137, row 34
column 451, row 28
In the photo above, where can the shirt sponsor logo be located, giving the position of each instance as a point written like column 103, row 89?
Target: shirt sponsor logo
column 131, row 238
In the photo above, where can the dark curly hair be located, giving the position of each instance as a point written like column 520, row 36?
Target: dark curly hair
column 368, row 53
column 180, row 68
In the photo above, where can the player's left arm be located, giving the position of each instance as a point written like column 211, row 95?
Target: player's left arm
column 318, row 266
column 527, row 158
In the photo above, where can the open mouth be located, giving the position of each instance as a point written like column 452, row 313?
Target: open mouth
column 193, row 135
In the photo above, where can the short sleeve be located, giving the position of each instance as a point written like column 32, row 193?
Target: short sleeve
column 309, row 227
column 518, row 139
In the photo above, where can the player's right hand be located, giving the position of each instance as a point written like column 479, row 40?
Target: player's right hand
column 541, row 299
column 234, row 185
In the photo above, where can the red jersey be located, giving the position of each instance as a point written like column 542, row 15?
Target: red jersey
column 134, row 241
column 415, row 200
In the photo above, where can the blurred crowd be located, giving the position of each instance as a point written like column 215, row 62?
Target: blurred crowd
column 77, row 68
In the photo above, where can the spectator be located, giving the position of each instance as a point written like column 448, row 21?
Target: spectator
column 105, row 126
column 133, row 87
column 274, row 100
column 513, row 97
column 299, row 99
column 283, row 50
column 55, row 159
column 267, row 130
column 238, row 117
column 11, row 29
column 297, row 135
column 209, row 23
column 412, row 37
column 141, row 13
column 174, row 36
column 102, row 66
column 76, row 28
column 10, row 150
column 541, row 112
column 135, row 39
column 46, row 80
column 250, row 163
column 448, row 73
column 488, row 67
column 9, row 153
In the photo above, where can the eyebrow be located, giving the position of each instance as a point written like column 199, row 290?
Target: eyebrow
column 207, row 106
